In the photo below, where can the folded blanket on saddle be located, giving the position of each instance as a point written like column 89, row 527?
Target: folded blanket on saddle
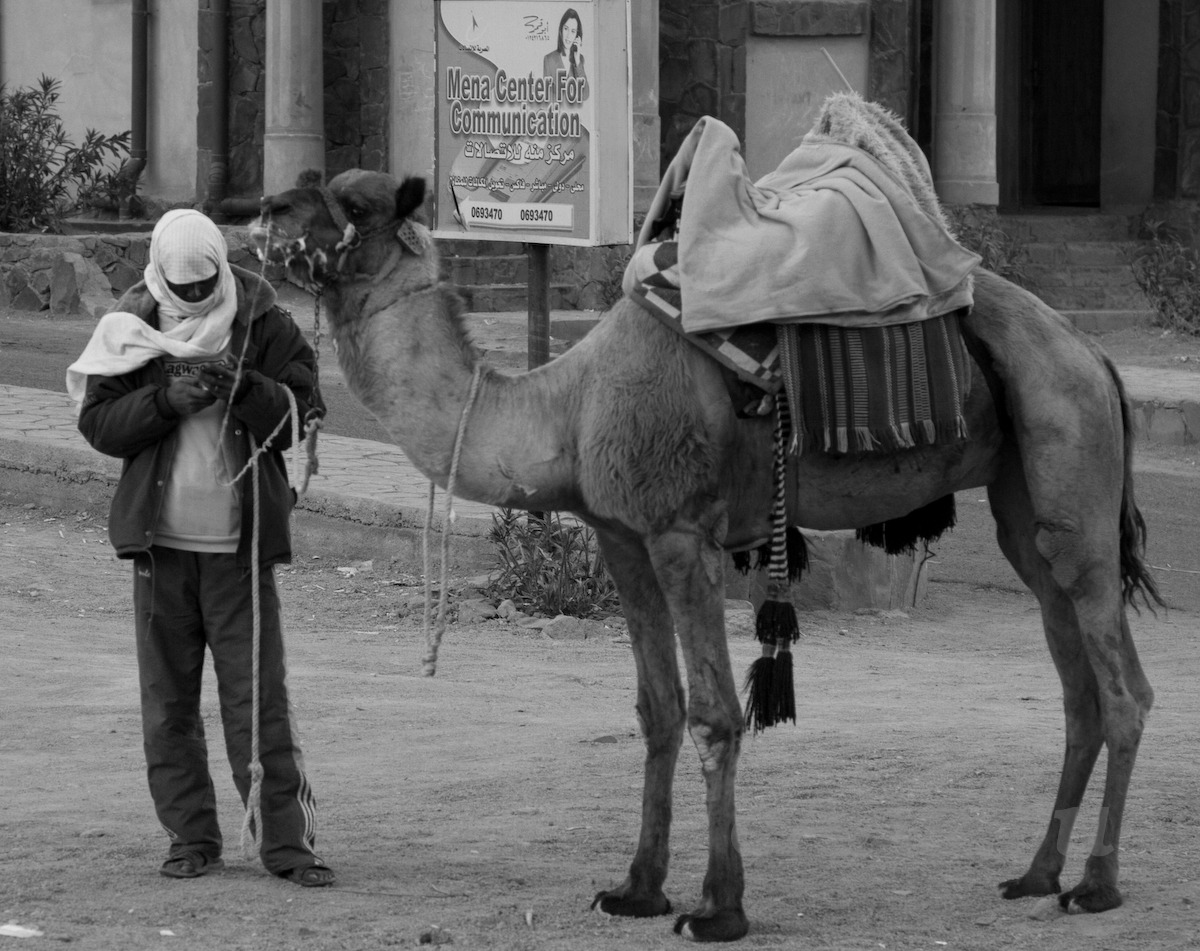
column 849, row 389
column 846, row 231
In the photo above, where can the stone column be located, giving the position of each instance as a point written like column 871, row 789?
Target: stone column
column 647, row 132
column 294, row 121
column 964, row 129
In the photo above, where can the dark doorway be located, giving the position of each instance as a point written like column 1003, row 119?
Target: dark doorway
column 1060, row 61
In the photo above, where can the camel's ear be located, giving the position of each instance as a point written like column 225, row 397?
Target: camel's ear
column 310, row 178
column 409, row 196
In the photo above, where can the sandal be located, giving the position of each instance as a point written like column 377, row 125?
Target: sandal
column 191, row 864
column 310, row 876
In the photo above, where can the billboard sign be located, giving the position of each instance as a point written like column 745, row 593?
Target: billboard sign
column 534, row 122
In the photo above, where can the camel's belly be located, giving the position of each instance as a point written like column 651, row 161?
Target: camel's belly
column 831, row 492
column 855, row 491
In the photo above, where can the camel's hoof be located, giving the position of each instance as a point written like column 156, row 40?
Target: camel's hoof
column 1030, row 884
column 729, row 925
column 628, row 906
column 1090, row 898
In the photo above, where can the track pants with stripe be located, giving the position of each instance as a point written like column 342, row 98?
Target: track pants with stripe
column 186, row 602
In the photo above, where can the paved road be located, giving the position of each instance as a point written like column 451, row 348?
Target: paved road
column 359, row 463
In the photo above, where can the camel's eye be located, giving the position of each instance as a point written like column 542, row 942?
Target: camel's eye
column 356, row 212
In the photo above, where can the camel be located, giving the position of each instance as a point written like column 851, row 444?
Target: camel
column 633, row 431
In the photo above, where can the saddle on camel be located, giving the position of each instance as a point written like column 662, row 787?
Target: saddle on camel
column 643, row 436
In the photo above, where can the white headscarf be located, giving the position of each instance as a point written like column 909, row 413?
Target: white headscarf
column 185, row 247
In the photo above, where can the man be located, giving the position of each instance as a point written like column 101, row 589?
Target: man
column 183, row 382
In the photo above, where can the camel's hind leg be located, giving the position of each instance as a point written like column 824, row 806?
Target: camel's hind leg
column 660, row 711
column 1065, row 546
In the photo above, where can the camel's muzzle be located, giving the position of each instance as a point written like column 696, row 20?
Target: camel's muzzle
column 302, row 256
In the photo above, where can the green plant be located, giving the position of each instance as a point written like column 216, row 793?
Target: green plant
column 1169, row 272
column 604, row 289
column 550, row 566
column 978, row 229
column 42, row 172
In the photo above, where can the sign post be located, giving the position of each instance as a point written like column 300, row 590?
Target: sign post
column 533, row 138
column 538, row 346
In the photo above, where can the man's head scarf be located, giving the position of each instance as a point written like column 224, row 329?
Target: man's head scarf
column 187, row 247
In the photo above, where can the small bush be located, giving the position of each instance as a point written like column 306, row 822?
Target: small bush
column 977, row 229
column 606, row 289
column 550, row 566
column 1169, row 272
column 43, row 174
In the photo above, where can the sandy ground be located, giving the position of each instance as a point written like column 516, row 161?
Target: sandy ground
column 487, row 805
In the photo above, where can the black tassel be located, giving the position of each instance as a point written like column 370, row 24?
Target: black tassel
column 776, row 622
column 873, row 535
column 752, row 559
column 783, row 688
column 797, row 553
column 897, row 536
column 760, row 703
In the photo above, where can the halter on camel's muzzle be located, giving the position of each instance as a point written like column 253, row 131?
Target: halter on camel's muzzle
column 412, row 237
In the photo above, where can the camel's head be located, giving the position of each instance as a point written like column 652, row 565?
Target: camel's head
column 324, row 234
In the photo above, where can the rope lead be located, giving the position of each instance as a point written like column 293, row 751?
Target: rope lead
column 433, row 637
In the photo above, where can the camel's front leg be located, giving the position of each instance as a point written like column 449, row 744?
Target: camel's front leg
column 660, row 713
column 688, row 560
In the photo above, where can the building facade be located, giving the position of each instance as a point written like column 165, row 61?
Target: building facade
column 1020, row 104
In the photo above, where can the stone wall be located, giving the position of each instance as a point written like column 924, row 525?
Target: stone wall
column 356, row 84
column 247, row 95
column 1189, row 75
column 701, row 67
column 83, row 275
column 1177, row 126
column 356, row 88
column 702, row 54
column 1177, row 129
column 892, row 61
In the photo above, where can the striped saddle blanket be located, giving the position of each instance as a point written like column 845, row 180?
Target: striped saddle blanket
column 848, row 389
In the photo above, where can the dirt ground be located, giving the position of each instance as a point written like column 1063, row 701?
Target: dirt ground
column 487, row 805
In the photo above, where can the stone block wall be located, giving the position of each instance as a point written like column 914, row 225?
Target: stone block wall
column 892, row 80
column 702, row 54
column 247, row 96
column 83, row 275
column 1177, row 125
column 702, row 67
column 1177, row 129
column 356, row 84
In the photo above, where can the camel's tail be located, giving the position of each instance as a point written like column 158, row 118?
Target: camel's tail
column 1135, row 574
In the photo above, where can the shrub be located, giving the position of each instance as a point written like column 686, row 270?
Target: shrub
column 43, row 174
column 550, row 566
column 978, row 229
column 1169, row 272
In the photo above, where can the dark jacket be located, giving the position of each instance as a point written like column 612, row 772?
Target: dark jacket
column 128, row 417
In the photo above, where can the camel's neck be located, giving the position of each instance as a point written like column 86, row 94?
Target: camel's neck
column 407, row 357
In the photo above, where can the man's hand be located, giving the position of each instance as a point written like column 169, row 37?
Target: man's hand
column 219, row 380
column 187, row 395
